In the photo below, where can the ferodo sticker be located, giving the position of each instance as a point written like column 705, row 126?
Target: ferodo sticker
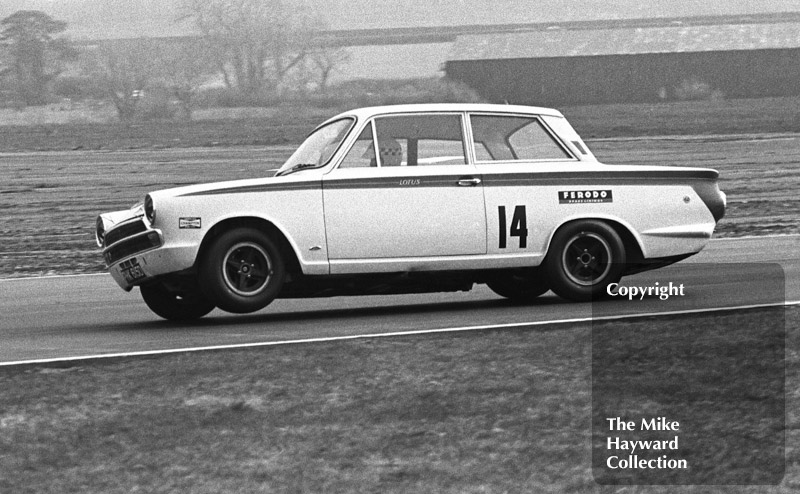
column 189, row 222
column 584, row 196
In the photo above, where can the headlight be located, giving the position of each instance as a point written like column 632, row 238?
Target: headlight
column 149, row 209
column 100, row 232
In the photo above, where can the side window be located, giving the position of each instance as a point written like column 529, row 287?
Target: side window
column 505, row 138
column 391, row 151
column 419, row 140
column 361, row 154
column 482, row 152
column 440, row 152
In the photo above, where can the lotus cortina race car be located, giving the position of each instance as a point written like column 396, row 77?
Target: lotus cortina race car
column 410, row 199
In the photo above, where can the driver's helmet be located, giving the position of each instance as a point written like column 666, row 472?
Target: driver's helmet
column 391, row 152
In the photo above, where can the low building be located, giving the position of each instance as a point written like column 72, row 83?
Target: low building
column 633, row 60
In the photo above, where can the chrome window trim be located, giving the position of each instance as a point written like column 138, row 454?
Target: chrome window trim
column 555, row 137
column 376, row 148
column 350, row 141
column 371, row 121
column 332, row 158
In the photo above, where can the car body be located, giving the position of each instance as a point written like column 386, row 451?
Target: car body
column 457, row 194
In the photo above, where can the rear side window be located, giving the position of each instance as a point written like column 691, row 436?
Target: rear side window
column 509, row 138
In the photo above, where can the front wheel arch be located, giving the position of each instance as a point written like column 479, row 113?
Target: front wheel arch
column 287, row 251
column 242, row 271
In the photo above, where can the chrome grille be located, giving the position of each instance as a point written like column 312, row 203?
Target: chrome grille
column 131, row 246
column 124, row 230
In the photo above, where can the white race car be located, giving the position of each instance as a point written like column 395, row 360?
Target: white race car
column 456, row 194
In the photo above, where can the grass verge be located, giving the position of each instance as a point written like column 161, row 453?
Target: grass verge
column 285, row 124
column 499, row 411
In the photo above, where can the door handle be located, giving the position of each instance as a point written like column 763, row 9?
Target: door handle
column 468, row 182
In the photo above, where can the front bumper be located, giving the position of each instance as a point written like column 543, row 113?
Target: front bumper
column 125, row 237
column 144, row 266
column 135, row 252
column 124, row 244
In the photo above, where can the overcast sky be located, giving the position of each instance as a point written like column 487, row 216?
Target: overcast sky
column 108, row 19
column 128, row 18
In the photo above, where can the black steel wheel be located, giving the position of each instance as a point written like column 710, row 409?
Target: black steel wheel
column 520, row 285
column 242, row 271
column 175, row 303
column 584, row 258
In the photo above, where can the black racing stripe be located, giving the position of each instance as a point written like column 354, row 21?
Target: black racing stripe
column 395, row 182
column 279, row 187
column 582, row 181
column 643, row 177
column 677, row 176
column 598, row 177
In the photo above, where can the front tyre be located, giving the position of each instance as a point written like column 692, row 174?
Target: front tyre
column 584, row 258
column 175, row 304
column 242, row 271
column 521, row 286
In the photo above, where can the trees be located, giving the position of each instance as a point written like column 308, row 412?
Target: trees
column 325, row 60
column 123, row 68
column 255, row 43
column 181, row 68
column 127, row 69
column 34, row 52
column 259, row 48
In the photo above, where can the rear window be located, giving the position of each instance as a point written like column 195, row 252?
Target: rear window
column 509, row 138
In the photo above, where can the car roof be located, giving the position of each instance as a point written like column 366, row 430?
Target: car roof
column 446, row 107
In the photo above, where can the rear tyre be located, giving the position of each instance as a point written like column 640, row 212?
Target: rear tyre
column 175, row 304
column 243, row 271
column 584, row 258
column 520, row 286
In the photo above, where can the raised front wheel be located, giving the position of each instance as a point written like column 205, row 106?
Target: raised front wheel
column 176, row 303
column 584, row 258
column 242, row 271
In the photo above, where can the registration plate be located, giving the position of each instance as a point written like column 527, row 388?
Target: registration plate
column 131, row 270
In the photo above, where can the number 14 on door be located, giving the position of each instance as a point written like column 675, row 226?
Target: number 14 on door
column 519, row 226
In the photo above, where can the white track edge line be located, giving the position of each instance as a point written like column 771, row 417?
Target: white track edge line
column 50, row 276
column 238, row 346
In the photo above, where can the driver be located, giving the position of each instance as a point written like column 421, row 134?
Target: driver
column 391, row 152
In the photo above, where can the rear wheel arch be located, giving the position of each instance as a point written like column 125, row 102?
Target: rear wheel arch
column 633, row 247
column 287, row 251
column 603, row 249
column 633, row 250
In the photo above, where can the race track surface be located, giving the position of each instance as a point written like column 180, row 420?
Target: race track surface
column 58, row 317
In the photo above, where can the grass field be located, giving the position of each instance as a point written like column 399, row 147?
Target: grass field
column 51, row 129
column 485, row 412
